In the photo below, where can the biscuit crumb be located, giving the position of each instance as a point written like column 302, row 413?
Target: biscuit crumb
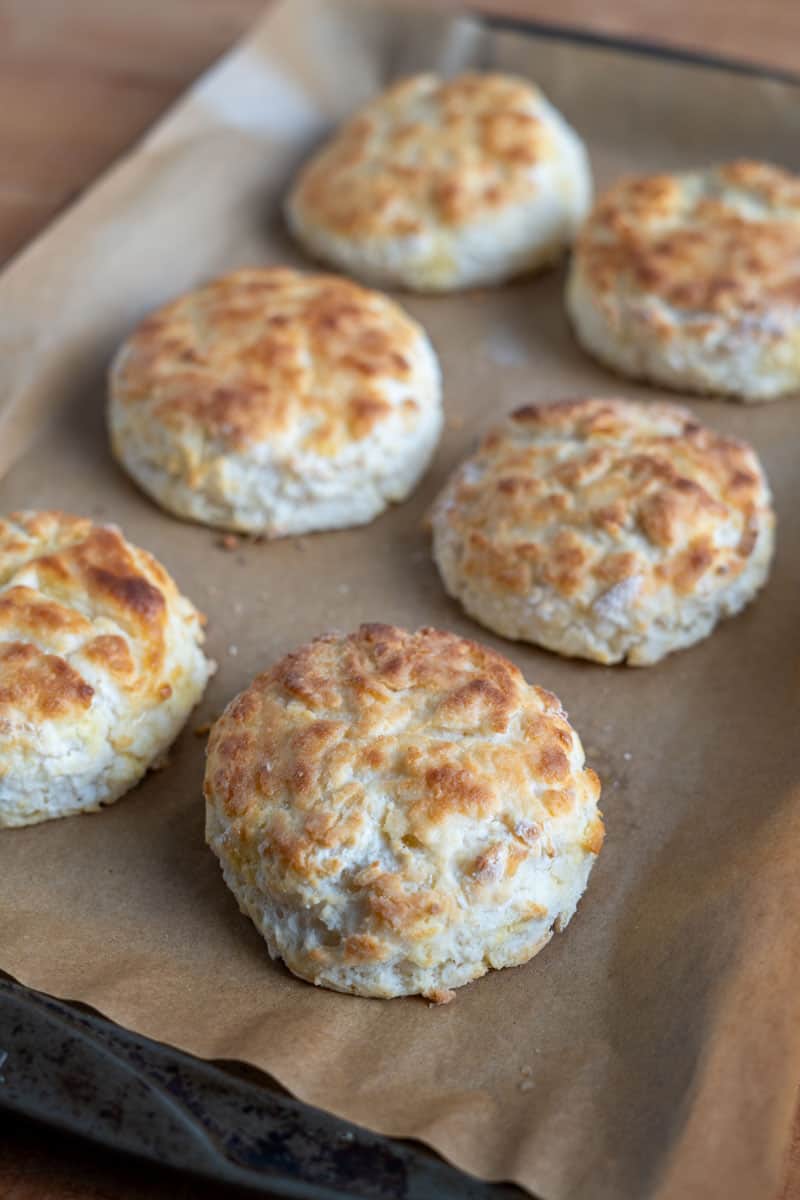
column 526, row 1085
column 202, row 730
column 455, row 422
column 228, row 541
column 439, row 996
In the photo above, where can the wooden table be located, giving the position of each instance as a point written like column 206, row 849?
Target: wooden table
column 78, row 83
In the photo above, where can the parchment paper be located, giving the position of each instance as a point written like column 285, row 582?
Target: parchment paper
column 661, row 1029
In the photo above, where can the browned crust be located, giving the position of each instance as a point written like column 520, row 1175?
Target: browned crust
column 43, row 686
column 427, row 154
column 75, row 572
column 684, row 241
column 261, row 352
column 448, row 726
column 570, row 494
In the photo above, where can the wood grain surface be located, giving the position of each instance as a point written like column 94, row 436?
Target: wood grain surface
column 79, row 83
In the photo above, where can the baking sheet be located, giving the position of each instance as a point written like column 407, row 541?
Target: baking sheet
column 660, row 1031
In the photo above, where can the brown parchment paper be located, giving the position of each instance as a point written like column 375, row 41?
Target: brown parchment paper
column 661, row 1029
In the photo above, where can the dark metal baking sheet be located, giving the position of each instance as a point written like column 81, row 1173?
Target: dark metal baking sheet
column 71, row 1068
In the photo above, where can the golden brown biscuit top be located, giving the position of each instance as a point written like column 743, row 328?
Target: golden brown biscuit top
column 375, row 760
column 77, row 602
column 605, row 501
column 723, row 243
column 428, row 154
column 268, row 352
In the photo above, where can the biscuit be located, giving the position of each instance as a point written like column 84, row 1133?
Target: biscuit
column 100, row 665
column 605, row 529
column 438, row 185
column 398, row 812
column 693, row 281
column 275, row 402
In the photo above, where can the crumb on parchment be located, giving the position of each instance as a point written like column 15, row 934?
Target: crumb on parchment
column 439, row 996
